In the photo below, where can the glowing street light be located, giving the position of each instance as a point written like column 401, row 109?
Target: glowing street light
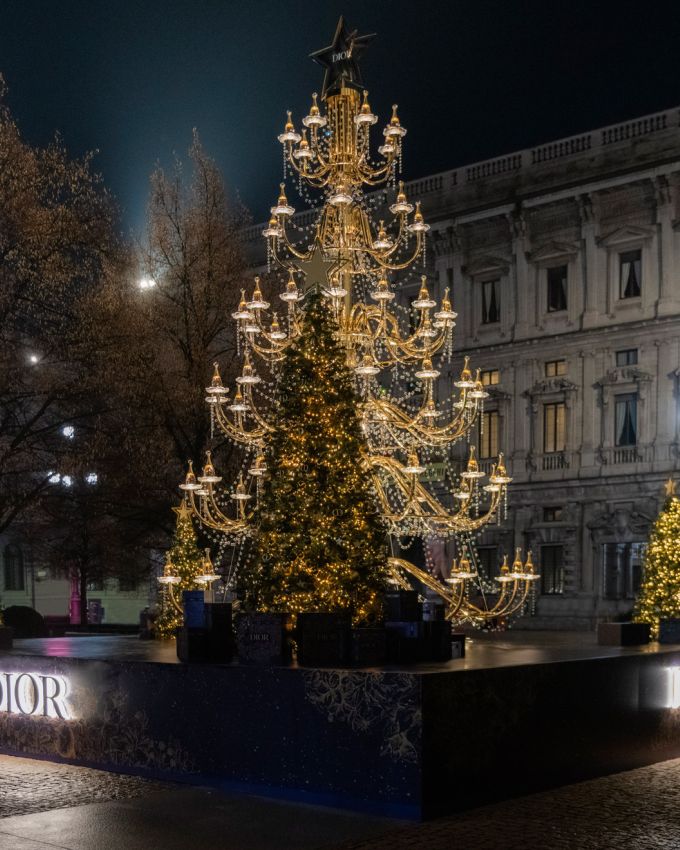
column 146, row 283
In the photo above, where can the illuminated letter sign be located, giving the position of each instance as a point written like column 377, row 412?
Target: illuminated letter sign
column 35, row 695
column 673, row 687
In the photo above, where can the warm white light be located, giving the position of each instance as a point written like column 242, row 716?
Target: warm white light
column 68, row 431
column 673, row 687
column 33, row 358
column 146, row 283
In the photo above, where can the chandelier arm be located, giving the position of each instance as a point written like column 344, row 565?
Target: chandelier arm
column 213, row 512
column 378, row 256
column 236, row 431
column 175, row 604
column 303, row 171
column 254, row 412
column 300, row 255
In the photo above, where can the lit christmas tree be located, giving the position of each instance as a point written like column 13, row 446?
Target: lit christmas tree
column 320, row 544
column 184, row 561
column 660, row 592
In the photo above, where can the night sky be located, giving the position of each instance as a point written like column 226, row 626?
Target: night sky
column 473, row 79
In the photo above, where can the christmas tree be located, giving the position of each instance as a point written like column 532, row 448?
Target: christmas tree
column 320, row 544
column 660, row 592
column 184, row 560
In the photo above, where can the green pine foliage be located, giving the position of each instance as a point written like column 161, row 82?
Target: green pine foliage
column 320, row 543
column 187, row 563
column 659, row 596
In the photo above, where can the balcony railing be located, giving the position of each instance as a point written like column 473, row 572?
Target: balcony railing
column 625, row 454
column 555, row 460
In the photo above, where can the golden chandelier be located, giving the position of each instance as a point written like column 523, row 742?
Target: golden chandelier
column 352, row 258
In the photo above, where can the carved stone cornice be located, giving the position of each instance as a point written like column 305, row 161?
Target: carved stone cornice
column 621, row 524
column 550, row 386
column 624, row 375
column 553, row 251
column 627, row 233
column 486, row 264
column 446, row 241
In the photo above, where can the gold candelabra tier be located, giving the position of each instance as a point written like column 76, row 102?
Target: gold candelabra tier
column 349, row 256
column 515, row 586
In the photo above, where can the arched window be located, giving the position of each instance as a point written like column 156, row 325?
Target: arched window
column 14, row 567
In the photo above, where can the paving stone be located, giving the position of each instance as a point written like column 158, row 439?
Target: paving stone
column 635, row 810
column 28, row 786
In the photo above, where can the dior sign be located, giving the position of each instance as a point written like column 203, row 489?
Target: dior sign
column 35, row 694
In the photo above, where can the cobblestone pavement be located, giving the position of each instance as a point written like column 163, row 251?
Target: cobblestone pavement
column 28, row 786
column 636, row 810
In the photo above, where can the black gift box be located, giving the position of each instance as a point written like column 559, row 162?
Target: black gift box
column 437, row 634
column 214, row 641
column 406, row 643
column 622, row 634
column 263, row 638
column 458, row 645
column 669, row 631
column 433, row 610
column 368, row 647
column 402, row 606
column 323, row 639
column 6, row 636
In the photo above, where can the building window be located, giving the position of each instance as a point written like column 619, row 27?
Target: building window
column 622, row 563
column 96, row 584
column 627, row 357
column 552, row 514
column 489, row 434
column 554, row 427
column 557, row 289
column 490, row 377
column 127, row 585
column 625, row 420
column 552, row 570
column 555, row 368
column 630, row 274
column 487, row 561
column 14, row 567
column 491, row 305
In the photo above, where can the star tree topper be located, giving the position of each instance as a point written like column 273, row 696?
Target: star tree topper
column 341, row 60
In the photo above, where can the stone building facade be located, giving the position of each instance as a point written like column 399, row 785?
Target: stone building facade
column 564, row 265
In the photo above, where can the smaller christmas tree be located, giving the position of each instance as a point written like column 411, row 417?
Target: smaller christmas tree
column 185, row 561
column 659, row 596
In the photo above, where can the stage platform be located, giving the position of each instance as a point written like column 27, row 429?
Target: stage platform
column 521, row 712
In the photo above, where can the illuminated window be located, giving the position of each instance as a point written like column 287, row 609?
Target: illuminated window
column 13, row 567
column 555, row 368
column 627, row 357
column 488, row 561
column 552, row 570
column 491, row 304
column 557, row 289
column 554, row 427
column 489, row 434
column 622, row 569
column 490, row 377
column 630, row 274
column 552, row 514
column 625, row 420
